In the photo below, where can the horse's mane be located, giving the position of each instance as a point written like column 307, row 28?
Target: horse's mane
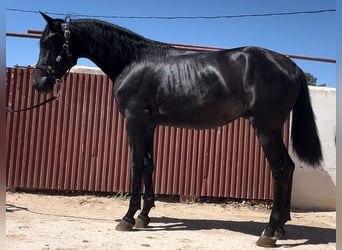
column 116, row 38
column 89, row 24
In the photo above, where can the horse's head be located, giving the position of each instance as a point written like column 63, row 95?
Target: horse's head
column 55, row 57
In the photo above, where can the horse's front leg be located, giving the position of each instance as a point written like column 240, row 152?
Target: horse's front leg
column 135, row 134
column 143, row 219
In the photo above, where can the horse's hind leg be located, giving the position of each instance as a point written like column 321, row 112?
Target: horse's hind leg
column 280, row 231
column 282, row 171
column 143, row 220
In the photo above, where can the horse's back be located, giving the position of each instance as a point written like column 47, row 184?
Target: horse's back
column 203, row 90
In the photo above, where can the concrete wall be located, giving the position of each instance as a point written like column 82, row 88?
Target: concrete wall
column 316, row 188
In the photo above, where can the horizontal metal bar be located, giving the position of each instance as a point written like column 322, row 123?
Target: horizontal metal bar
column 311, row 58
column 34, row 32
column 37, row 34
column 25, row 35
column 206, row 48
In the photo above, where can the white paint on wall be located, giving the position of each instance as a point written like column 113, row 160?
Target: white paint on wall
column 316, row 188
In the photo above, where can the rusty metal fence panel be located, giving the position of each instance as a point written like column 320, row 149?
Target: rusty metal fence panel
column 79, row 143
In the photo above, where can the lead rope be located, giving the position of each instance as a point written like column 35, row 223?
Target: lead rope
column 51, row 99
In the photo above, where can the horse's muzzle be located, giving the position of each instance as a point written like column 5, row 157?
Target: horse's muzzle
column 42, row 84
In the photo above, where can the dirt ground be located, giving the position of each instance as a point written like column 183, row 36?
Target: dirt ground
column 44, row 222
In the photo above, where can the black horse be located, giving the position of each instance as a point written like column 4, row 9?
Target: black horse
column 155, row 83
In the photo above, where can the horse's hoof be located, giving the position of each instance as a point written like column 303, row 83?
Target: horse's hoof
column 124, row 226
column 266, row 241
column 142, row 222
column 279, row 234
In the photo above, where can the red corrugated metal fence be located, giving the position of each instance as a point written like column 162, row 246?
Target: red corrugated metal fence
column 79, row 143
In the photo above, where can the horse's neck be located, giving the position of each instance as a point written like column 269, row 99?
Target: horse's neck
column 112, row 54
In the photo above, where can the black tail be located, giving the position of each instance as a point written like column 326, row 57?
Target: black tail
column 304, row 135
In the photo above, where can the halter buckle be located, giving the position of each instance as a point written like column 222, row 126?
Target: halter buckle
column 66, row 34
column 58, row 81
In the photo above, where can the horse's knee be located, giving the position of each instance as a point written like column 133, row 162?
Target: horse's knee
column 148, row 166
column 149, row 199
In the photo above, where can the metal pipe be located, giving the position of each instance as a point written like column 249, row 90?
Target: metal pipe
column 24, row 35
column 311, row 58
column 37, row 34
column 206, row 48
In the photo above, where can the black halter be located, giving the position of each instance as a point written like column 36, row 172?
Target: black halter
column 65, row 52
column 51, row 70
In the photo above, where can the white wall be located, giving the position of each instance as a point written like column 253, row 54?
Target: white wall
column 316, row 188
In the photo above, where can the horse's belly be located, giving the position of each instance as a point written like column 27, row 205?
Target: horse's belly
column 201, row 117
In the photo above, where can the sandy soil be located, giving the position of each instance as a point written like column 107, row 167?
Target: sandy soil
column 44, row 222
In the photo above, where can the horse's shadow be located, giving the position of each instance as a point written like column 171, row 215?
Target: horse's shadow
column 310, row 234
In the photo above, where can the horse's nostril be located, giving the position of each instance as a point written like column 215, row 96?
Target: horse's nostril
column 40, row 83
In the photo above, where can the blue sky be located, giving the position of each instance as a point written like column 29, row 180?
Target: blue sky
column 307, row 34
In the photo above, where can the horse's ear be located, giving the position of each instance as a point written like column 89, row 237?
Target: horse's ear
column 48, row 19
column 53, row 23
